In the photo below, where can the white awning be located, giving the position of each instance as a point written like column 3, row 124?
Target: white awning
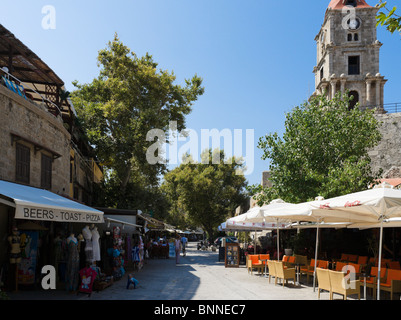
column 123, row 222
column 38, row 204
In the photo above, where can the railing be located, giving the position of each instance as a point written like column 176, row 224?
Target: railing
column 386, row 108
column 19, row 89
column 392, row 107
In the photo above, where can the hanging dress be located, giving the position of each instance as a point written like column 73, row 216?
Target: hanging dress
column 72, row 275
column 95, row 245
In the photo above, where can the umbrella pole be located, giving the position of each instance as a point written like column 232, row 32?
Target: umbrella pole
column 317, row 246
column 278, row 243
column 254, row 244
column 380, row 258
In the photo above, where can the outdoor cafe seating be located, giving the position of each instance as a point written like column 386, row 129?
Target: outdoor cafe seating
column 337, row 282
column 278, row 270
column 253, row 262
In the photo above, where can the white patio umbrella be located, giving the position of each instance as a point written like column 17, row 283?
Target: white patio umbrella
column 251, row 221
column 275, row 205
column 370, row 207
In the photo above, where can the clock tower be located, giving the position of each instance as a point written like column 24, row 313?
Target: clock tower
column 348, row 53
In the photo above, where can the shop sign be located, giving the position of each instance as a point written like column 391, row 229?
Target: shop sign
column 58, row 215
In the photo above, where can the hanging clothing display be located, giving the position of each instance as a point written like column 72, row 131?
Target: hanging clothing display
column 95, row 245
column 72, row 264
column 87, row 233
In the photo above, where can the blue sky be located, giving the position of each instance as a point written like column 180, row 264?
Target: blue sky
column 256, row 57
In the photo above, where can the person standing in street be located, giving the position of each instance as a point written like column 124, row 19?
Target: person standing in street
column 177, row 244
column 184, row 241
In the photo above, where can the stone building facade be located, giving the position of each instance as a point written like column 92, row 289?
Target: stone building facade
column 348, row 53
column 348, row 59
column 40, row 133
column 387, row 155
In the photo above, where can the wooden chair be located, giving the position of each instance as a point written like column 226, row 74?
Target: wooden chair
column 323, row 280
column 392, row 283
column 253, row 262
column 340, row 285
column 284, row 273
column 371, row 281
column 302, row 260
column 272, row 269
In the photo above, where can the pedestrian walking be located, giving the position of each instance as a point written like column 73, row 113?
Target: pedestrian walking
column 177, row 244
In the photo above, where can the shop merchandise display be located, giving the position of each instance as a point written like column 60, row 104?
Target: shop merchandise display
column 72, row 278
column 60, row 255
column 88, row 276
column 81, row 250
column 95, row 244
column 15, row 247
column 87, row 233
column 117, row 251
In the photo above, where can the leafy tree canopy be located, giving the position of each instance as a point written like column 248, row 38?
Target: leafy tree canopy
column 117, row 109
column 205, row 194
column 388, row 18
column 323, row 152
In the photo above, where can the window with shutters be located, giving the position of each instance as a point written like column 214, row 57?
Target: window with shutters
column 46, row 175
column 23, row 163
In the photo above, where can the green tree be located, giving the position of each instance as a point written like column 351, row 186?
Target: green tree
column 117, row 109
column 205, row 194
column 388, row 18
column 323, row 151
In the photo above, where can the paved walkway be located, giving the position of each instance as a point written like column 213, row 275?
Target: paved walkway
column 199, row 276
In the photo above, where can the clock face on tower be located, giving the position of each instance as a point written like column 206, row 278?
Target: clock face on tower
column 354, row 23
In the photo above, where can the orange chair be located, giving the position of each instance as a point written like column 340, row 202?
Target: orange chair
column 344, row 257
column 340, row 266
column 308, row 270
column 291, row 260
column 371, row 281
column 285, row 258
column 253, row 262
column 264, row 257
column 352, row 258
column 353, row 268
column 392, row 283
column 395, row 265
column 362, row 260
column 322, row 264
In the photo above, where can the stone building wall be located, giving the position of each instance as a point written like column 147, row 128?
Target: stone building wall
column 388, row 153
column 35, row 123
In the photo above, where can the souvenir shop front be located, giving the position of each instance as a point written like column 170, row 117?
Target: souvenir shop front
column 40, row 228
column 123, row 247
